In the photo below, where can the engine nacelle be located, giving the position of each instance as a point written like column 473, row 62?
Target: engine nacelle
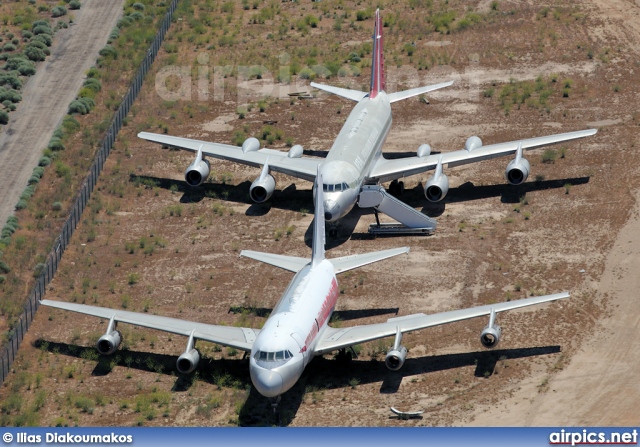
column 517, row 171
column 436, row 188
column 188, row 361
column 395, row 358
column 490, row 336
column 109, row 342
column 197, row 172
column 262, row 189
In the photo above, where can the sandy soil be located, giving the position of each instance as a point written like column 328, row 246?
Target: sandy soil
column 576, row 230
column 47, row 95
column 598, row 386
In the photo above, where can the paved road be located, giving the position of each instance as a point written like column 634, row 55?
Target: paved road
column 47, row 95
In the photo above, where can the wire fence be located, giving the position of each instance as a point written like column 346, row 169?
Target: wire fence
column 16, row 335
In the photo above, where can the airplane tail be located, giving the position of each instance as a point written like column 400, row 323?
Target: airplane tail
column 378, row 83
column 317, row 244
column 377, row 64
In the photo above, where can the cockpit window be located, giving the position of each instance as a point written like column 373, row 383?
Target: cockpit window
column 336, row 187
column 270, row 357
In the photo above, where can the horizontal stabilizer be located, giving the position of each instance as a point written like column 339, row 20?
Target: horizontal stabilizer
column 351, row 262
column 354, row 95
column 397, row 96
column 291, row 263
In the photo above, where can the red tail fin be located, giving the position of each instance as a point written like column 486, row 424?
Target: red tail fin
column 377, row 65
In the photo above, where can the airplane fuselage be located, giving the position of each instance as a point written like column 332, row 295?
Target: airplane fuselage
column 287, row 341
column 354, row 153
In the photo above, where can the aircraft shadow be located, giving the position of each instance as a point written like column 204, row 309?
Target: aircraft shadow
column 322, row 374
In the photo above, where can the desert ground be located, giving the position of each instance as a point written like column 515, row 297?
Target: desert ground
column 47, row 95
column 151, row 244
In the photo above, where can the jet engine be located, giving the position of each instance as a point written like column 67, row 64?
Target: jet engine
column 198, row 171
column 109, row 342
column 188, row 361
column 490, row 335
column 396, row 356
column 438, row 186
column 518, row 169
column 262, row 188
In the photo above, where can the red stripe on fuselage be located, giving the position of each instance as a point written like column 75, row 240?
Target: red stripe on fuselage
column 327, row 307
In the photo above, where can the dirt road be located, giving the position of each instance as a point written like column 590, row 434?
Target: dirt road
column 48, row 93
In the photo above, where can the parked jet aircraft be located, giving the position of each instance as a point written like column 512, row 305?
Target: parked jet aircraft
column 297, row 329
column 355, row 166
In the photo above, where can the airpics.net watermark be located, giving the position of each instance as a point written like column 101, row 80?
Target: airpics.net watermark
column 243, row 84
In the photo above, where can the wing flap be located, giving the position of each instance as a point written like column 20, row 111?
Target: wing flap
column 235, row 337
column 385, row 170
column 304, row 168
column 341, row 338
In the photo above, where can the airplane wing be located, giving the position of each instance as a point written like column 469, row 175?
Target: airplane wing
column 304, row 168
column 338, row 338
column 235, row 337
column 385, row 170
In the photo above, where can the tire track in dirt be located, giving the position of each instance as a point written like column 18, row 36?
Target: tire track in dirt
column 47, row 95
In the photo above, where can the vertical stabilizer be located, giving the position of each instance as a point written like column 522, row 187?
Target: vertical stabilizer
column 377, row 65
column 317, row 244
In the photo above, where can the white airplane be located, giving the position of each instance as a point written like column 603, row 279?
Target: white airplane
column 297, row 329
column 354, row 167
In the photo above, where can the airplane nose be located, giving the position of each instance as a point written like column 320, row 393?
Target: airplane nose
column 331, row 210
column 269, row 383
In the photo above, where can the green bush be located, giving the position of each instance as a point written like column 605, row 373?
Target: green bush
column 42, row 29
column 2, row 279
column 92, row 84
column 10, row 79
column 27, row 70
column 35, row 54
column 108, row 51
column 55, row 144
column 74, row 4
column 44, row 38
column 9, row 47
column 27, row 34
column 44, row 161
column 58, row 11
column 56, row 206
column 4, row 268
column 138, row 6
column 22, row 204
column 4, row 117
column 9, row 94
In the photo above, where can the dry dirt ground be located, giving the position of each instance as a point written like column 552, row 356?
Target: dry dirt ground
column 47, row 94
column 170, row 250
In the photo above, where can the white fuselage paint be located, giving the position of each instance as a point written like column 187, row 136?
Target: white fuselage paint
column 295, row 325
column 354, row 153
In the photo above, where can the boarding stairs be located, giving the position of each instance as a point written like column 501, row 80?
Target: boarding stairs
column 410, row 220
